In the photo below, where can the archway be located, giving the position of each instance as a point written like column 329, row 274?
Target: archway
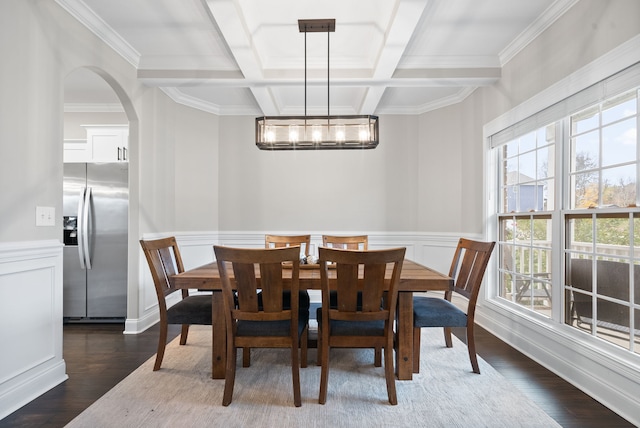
column 100, row 129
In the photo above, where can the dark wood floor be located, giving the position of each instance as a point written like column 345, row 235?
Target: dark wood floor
column 98, row 356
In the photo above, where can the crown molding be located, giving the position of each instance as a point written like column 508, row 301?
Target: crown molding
column 431, row 106
column 101, row 29
column 544, row 21
column 189, row 101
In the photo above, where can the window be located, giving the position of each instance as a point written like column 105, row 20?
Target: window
column 577, row 162
column 527, row 187
column 602, row 276
column 602, row 257
column 604, row 154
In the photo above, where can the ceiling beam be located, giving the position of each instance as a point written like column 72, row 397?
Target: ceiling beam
column 404, row 22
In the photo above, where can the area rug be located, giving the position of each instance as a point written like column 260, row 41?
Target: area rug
column 182, row 394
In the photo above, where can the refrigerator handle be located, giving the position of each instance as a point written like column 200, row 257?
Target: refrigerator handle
column 80, row 227
column 85, row 224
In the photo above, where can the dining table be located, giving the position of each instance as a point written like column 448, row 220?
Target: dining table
column 414, row 278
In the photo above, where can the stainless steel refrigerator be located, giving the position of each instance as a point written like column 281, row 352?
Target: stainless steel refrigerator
column 95, row 230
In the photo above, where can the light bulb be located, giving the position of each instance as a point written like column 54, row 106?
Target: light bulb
column 293, row 133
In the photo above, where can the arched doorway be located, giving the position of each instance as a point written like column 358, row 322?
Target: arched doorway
column 97, row 120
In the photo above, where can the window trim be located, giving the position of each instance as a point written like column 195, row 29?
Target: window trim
column 620, row 81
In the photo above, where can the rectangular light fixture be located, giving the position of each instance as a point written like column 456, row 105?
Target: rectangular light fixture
column 316, row 132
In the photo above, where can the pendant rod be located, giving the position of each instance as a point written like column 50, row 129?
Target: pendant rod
column 305, row 76
column 328, row 68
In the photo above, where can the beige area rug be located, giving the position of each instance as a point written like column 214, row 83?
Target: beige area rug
column 444, row 394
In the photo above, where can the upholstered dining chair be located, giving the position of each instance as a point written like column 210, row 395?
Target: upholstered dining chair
column 279, row 241
column 271, row 324
column 283, row 241
column 468, row 267
column 349, row 242
column 353, row 242
column 163, row 257
column 366, row 324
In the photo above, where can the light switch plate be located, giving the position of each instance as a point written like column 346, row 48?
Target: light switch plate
column 45, row 216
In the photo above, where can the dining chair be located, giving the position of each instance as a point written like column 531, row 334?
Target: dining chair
column 467, row 269
column 353, row 242
column 270, row 325
column 365, row 325
column 163, row 257
column 350, row 242
column 279, row 241
column 283, row 241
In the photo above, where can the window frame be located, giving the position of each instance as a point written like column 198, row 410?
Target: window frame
column 563, row 208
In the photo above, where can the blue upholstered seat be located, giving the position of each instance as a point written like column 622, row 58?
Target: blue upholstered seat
column 353, row 328
column 271, row 328
column 437, row 312
column 191, row 310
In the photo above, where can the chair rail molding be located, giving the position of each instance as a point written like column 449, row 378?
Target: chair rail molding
column 432, row 249
column 31, row 273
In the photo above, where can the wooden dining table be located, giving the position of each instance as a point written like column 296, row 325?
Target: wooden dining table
column 414, row 278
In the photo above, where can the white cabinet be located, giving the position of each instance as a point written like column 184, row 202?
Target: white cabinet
column 104, row 143
column 108, row 143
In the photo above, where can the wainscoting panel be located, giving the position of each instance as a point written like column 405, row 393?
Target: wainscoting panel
column 31, row 362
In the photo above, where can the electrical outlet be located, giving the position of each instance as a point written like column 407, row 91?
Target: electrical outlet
column 45, row 216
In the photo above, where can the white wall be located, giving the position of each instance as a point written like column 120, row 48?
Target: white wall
column 341, row 190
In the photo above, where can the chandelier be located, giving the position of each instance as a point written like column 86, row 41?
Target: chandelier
column 316, row 132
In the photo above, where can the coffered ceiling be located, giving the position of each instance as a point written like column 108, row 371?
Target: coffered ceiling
column 248, row 56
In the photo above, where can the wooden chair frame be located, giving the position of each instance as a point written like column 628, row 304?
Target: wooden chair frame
column 467, row 268
column 164, row 259
column 351, row 242
column 361, row 273
column 257, row 270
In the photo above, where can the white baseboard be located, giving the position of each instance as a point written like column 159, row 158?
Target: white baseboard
column 608, row 374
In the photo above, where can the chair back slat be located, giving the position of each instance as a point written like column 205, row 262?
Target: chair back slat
column 271, row 273
column 347, row 280
column 374, row 275
column 247, row 286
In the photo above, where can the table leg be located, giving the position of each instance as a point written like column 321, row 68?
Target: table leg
column 404, row 336
column 219, row 340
